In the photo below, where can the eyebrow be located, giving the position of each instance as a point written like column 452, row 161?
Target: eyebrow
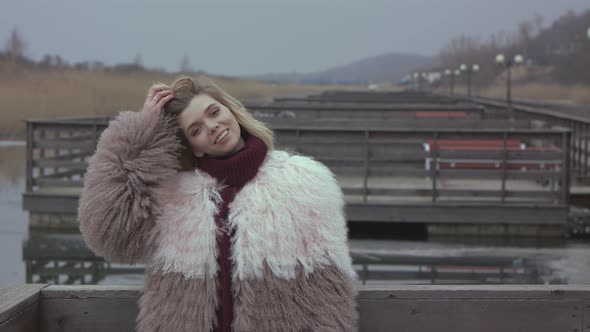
column 207, row 110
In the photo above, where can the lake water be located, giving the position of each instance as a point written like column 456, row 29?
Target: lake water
column 401, row 260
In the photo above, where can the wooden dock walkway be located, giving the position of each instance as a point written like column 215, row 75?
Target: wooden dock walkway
column 387, row 157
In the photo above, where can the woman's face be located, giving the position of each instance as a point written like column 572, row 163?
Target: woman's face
column 210, row 127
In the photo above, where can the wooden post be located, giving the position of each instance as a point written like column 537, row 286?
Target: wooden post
column 366, row 166
column 29, row 162
column 585, row 153
column 41, row 152
column 504, row 161
column 433, row 165
column 565, row 170
column 297, row 142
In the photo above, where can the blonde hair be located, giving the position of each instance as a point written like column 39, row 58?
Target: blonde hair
column 186, row 88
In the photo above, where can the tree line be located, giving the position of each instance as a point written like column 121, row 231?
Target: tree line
column 558, row 53
column 14, row 54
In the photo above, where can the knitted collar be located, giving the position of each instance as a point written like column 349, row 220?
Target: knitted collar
column 238, row 168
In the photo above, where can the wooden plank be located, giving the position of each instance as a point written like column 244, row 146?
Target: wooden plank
column 63, row 174
column 400, row 259
column 496, row 174
column 470, row 315
column 49, row 182
column 100, row 292
column 25, row 321
column 66, row 144
column 71, row 164
column 472, row 308
column 367, row 99
column 453, row 133
column 447, row 213
column 89, row 308
column 69, row 156
column 510, row 155
column 18, row 309
column 437, row 276
column 449, row 192
column 365, row 108
column 410, row 292
column 396, row 122
column 50, row 203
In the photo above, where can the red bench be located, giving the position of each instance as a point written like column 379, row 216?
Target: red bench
column 486, row 145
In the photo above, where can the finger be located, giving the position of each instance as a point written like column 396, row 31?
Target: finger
column 158, row 96
column 154, row 89
column 164, row 100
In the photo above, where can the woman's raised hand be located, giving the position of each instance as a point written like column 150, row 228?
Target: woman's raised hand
column 157, row 97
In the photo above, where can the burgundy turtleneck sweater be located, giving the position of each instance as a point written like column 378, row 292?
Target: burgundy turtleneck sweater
column 234, row 172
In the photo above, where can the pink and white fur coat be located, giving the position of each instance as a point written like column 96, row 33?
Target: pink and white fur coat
column 291, row 267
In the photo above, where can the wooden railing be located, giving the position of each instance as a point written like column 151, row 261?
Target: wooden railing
column 574, row 118
column 399, row 152
column 58, row 153
column 514, row 308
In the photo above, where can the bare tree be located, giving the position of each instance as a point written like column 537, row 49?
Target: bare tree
column 15, row 46
column 138, row 60
column 538, row 22
column 185, row 65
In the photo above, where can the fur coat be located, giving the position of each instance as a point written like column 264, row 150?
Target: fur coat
column 291, row 269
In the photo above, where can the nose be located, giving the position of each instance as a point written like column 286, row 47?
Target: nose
column 213, row 128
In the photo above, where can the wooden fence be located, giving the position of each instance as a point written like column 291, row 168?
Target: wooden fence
column 58, row 152
column 400, row 153
column 575, row 119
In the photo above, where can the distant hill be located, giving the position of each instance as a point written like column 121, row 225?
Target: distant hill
column 390, row 67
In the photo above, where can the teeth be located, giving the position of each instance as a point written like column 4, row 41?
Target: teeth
column 222, row 136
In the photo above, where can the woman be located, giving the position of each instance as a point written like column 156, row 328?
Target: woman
column 235, row 235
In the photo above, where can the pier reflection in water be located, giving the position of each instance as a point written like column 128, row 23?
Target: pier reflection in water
column 65, row 259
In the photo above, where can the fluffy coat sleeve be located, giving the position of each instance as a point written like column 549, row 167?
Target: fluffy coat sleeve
column 117, row 208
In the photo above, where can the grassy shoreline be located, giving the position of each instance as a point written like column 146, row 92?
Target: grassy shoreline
column 37, row 94
column 43, row 94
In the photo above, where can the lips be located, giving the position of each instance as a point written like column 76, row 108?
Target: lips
column 221, row 136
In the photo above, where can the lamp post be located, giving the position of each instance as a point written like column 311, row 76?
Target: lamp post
column 452, row 74
column 508, row 63
column 448, row 73
column 469, row 71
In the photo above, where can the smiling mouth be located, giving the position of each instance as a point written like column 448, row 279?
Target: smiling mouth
column 221, row 136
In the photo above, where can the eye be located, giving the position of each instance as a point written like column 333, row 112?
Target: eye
column 215, row 111
column 194, row 131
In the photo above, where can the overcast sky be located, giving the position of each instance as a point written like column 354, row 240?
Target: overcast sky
column 240, row 37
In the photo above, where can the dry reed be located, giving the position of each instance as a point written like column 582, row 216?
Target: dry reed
column 32, row 94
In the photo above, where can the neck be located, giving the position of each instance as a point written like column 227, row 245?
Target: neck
column 237, row 168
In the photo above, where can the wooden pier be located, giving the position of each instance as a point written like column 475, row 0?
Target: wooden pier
column 542, row 308
column 387, row 152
